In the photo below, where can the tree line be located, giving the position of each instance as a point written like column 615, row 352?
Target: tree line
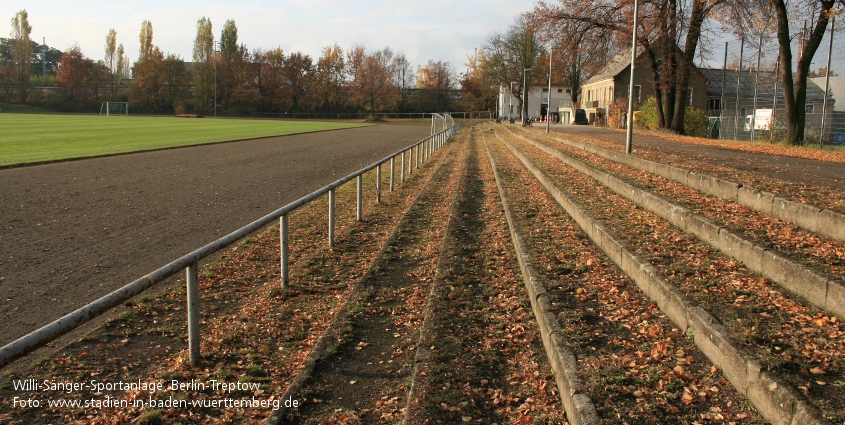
column 584, row 36
column 227, row 77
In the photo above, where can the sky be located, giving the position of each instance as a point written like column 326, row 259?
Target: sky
column 422, row 30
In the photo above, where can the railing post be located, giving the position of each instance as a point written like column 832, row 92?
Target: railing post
column 378, row 184
column 360, row 197
column 402, row 168
column 283, row 248
column 331, row 218
column 392, row 169
column 193, row 315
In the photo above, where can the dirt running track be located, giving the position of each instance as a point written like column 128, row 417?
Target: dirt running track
column 71, row 232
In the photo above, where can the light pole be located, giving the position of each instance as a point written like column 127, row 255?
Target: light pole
column 499, row 104
column 215, row 78
column 524, row 110
column 629, row 134
column 549, row 107
column 510, row 101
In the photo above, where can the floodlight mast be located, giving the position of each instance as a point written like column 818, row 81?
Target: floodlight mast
column 629, row 134
column 215, row 76
column 549, row 102
column 524, row 110
column 510, row 101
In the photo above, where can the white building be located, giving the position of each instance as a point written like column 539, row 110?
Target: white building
column 538, row 102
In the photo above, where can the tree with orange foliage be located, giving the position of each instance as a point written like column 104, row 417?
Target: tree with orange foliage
column 435, row 81
column 373, row 85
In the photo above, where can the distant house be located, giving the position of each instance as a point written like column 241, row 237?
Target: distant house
column 736, row 102
column 612, row 83
column 538, row 101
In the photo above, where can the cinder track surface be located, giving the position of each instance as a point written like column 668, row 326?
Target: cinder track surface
column 71, row 232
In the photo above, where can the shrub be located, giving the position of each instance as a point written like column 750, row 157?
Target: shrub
column 696, row 122
column 648, row 114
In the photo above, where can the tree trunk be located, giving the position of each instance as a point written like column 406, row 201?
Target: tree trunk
column 795, row 91
column 656, row 83
column 685, row 65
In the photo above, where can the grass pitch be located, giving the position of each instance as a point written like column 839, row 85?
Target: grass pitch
column 37, row 138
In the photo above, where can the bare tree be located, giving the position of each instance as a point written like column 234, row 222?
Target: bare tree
column 664, row 26
column 404, row 79
column 583, row 35
column 795, row 85
column 510, row 54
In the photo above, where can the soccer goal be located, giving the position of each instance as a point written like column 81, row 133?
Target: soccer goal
column 114, row 108
column 438, row 123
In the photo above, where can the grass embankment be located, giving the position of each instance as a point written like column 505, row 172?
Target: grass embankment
column 38, row 138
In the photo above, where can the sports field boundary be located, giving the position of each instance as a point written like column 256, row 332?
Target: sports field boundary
column 166, row 148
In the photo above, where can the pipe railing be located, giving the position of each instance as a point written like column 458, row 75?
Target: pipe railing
column 35, row 339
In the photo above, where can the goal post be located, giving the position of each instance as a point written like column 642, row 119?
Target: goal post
column 114, row 108
column 438, row 123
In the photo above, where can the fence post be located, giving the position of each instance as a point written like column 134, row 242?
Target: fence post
column 378, row 184
column 392, row 168
column 360, row 196
column 283, row 248
column 193, row 315
column 402, row 168
column 331, row 218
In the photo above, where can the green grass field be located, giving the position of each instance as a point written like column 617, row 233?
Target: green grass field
column 35, row 138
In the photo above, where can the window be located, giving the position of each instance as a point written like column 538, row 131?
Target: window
column 742, row 111
column 545, row 89
column 561, row 91
column 689, row 97
column 714, row 104
column 810, row 109
column 637, row 92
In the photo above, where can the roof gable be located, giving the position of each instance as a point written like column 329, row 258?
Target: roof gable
column 622, row 61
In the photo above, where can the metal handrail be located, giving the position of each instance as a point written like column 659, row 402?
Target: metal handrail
column 35, row 339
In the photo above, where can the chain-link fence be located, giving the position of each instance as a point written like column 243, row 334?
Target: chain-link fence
column 749, row 104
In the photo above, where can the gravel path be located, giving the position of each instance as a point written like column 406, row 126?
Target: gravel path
column 71, row 232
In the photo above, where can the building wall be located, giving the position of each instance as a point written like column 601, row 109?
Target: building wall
column 538, row 99
column 599, row 94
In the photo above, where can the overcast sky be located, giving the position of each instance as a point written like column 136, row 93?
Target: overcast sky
column 422, row 29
